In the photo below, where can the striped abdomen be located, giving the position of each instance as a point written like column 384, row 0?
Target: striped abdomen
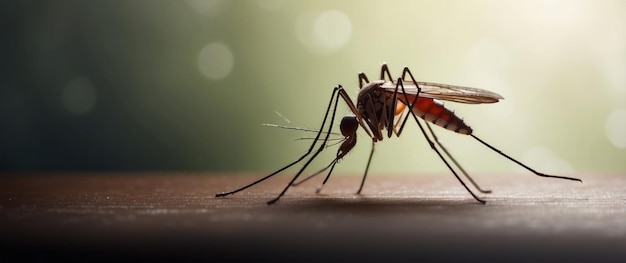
column 433, row 111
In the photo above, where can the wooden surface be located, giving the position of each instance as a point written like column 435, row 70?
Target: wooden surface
column 131, row 216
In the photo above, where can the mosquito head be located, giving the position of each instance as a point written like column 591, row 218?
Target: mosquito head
column 349, row 125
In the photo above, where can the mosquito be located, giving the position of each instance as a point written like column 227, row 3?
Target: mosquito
column 386, row 105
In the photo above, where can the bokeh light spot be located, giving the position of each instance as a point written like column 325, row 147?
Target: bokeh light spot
column 332, row 29
column 215, row 61
column 325, row 32
column 615, row 128
column 615, row 74
column 79, row 96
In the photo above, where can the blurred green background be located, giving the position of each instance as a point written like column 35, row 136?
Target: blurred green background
column 186, row 85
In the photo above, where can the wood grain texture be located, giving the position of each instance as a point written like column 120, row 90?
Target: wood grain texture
column 401, row 217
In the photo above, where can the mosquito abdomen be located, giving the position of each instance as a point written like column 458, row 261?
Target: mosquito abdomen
column 433, row 111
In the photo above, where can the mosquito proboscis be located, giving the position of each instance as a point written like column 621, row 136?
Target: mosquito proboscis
column 386, row 104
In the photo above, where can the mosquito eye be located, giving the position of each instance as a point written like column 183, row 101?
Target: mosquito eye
column 348, row 125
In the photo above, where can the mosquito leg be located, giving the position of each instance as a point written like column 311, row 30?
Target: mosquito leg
column 340, row 155
column 445, row 151
column 334, row 97
column 314, row 174
column 436, row 139
column 367, row 167
column 363, row 79
column 432, row 145
column 523, row 165
column 410, row 106
column 363, row 124
column 384, row 70
column 406, row 98
column 332, row 166
column 322, row 146
column 398, row 122
column 392, row 113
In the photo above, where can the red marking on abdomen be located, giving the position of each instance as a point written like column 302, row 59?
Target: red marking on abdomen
column 433, row 111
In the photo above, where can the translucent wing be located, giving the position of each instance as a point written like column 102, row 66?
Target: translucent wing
column 446, row 92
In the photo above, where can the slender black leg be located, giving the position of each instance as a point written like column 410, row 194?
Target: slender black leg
column 523, row 165
column 406, row 117
column 332, row 167
column 363, row 80
column 445, row 151
column 367, row 167
column 362, row 123
column 314, row 174
column 430, row 142
column 406, row 98
column 384, row 70
column 319, row 150
column 334, row 97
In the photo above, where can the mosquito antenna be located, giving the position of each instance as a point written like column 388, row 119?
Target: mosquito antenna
column 329, row 139
column 333, row 98
column 297, row 128
column 338, row 141
column 282, row 117
column 336, row 91
column 338, row 138
column 523, row 165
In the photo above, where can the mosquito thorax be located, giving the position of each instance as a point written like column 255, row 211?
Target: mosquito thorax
column 349, row 125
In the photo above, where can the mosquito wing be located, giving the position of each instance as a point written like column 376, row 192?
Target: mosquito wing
column 446, row 92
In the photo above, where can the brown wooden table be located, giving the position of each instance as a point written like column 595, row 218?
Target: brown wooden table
column 152, row 216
